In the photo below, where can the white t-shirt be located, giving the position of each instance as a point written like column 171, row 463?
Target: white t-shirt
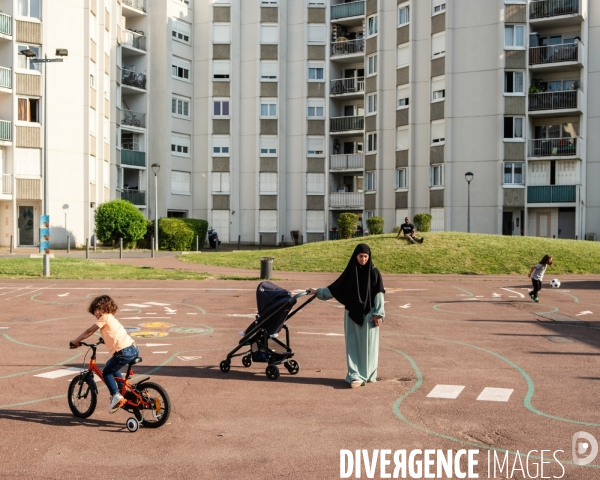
column 538, row 272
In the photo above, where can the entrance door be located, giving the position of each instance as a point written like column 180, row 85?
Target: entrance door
column 26, row 227
column 566, row 223
column 221, row 224
column 507, row 223
column 543, row 224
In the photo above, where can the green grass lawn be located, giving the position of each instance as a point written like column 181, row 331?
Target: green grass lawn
column 442, row 253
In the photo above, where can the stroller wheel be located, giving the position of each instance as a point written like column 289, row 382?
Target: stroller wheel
column 225, row 365
column 247, row 361
column 272, row 372
column 292, row 366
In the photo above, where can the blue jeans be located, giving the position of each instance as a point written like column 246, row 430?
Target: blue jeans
column 114, row 365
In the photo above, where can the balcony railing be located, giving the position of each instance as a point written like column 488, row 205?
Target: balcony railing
column 133, row 158
column 346, row 200
column 5, row 77
column 6, row 184
column 348, row 47
column 343, row 124
column 552, row 100
column 133, row 119
column 5, row 130
column 134, row 39
column 132, row 79
column 565, row 52
column 552, row 8
column 137, row 4
column 345, row 10
column 553, row 147
column 551, row 194
column 347, row 85
column 137, row 197
column 347, row 161
column 5, row 24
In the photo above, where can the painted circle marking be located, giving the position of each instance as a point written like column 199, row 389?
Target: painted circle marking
column 145, row 334
column 188, row 330
column 156, row 325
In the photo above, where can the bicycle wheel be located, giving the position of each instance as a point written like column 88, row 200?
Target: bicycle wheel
column 82, row 397
column 160, row 404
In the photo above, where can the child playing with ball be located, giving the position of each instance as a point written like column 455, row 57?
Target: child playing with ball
column 536, row 273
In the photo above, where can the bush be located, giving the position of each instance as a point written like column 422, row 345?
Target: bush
column 347, row 223
column 423, row 222
column 375, row 225
column 178, row 234
column 395, row 229
column 119, row 218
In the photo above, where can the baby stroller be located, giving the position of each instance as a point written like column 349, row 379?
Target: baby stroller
column 274, row 306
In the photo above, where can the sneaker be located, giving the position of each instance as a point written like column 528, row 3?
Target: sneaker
column 531, row 296
column 536, row 299
column 422, row 239
column 356, row 383
column 115, row 401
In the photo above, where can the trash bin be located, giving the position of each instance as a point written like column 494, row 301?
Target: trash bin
column 266, row 268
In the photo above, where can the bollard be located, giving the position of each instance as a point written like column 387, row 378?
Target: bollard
column 282, row 241
column 46, row 267
column 217, row 245
column 266, row 268
column 95, row 242
column 301, row 239
column 152, row 246
column 120, row 248
column 68, row 244
column 239, row 240
column 87, row 248
column 197, row 243
column 260, row 242
column 11, row 245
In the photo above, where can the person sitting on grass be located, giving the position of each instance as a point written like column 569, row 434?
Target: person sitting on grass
column 408, row 229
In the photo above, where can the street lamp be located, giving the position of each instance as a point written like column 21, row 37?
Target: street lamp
column 66, row 209
column 156, row 169
column 468, row 178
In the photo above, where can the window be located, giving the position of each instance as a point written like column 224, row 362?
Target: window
column 438, row 132
column 29, row 8
column 437, row 222
column 271, row 3
column 401, row 179
column 221, row 108
column 221, row 70
column 106, row 175
column 181, row 183
column 316, row 3
column 402, row 56
column 513, row 173
column 181, row 31
column 268, row 33
column 315, row 221
column 315, row 183
column 180, row 69
column 221, row 33
column 369, row 181
column 371, row 103
column 436, row 173
column 92, row 168
column 268, row 108
column 180, row 106
column 513, row 127
column 372, row 26
column 267, row 221
column 316, row 108
column 180, row 145
column 267, row 183
column 438, row 45
column 402, row 139
column 106, row 129
column 372, row 65
column 268, row 71
column 28, row 161
column 438, row 88
column 221, row 146
column 92, row 119
column 268, row 146
column 403, row 15
column 315, row 146
column 403, row 93
column 438, row 6
column 315, row 72
column 93, row 27
column 316, row 34
column 24, row 62
column 106, row 86
column 513, row 82
column 514, row 36
column 92, row 80
column 371, row 142
column 28, row 110
column 220, row 182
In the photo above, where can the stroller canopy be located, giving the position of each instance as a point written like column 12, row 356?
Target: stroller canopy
column 268, row 295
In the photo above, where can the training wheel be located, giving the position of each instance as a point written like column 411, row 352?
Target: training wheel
column 225, row 366
column 132, row 425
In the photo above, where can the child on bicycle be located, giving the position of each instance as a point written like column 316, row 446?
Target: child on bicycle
column 121, row 346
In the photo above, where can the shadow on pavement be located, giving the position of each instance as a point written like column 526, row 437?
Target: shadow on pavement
column 57, row 419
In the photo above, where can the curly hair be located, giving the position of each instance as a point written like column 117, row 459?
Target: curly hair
column 103, row 303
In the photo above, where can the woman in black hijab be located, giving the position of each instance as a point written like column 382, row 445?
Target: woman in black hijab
column 360, row 289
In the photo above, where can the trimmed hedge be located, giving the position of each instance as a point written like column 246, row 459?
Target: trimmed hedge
column 347, row 223
column 423, row 222
column 375, row 225
column 178, row 234
column 119, row 219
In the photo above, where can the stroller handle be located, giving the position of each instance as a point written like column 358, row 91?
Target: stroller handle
column 301, row 294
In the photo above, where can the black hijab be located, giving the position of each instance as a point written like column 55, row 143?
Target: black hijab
column 357, row 286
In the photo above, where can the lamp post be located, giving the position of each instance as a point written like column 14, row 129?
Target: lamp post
column 156, row 169
column 66, row 210
column 468, row 178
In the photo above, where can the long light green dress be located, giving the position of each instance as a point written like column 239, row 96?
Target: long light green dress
column 362, row 342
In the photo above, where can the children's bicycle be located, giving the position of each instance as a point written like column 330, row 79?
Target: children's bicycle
column 148, row 401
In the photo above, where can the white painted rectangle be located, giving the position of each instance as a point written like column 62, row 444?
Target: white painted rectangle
column 446, row 391
column 63, row 372
column 490, row 394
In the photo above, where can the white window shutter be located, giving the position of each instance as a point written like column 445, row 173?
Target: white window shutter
column 316, row 33
column 315, row 183
column 403, row 56
column 92, row 165
column 221, row 67
column 268, row 70
column 180, row 182
column 438, row 83
column 438, row 44
column 316, row 144
column 437, row 222
column 402, row 139
column 267, row 183
column 315, row 221
column 106, row 173
column 267, row 220
column 268, row 34
column 221, row 33
column 225, row 182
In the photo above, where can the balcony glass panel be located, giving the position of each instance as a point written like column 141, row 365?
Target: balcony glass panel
column 344, row 10
column 551, row 194
column 137, row 197
column 131, row 157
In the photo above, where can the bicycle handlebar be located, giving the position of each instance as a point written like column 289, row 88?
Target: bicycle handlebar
column 91, row 345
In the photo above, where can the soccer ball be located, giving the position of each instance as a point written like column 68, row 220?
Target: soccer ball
column 555, row 283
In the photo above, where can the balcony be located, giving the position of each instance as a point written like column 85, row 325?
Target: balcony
column 5, row 131
column 6, row 184
column 556, row 13
column 352, row 161
column 133, row 8
column 133, row 80
column 347, row 10
column 345, row 48
column 566, row 56
column 6, row 78
column 133, row 158
column 552, row 194
column 347, row 87
column 133, row 119
column 555, row 148
column 5, row 25
column 134, row 39
column 353, row 200
column 137, row 197
column 554, row 103
column 347, row 124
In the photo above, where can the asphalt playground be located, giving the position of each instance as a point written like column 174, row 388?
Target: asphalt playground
column 466, row 362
